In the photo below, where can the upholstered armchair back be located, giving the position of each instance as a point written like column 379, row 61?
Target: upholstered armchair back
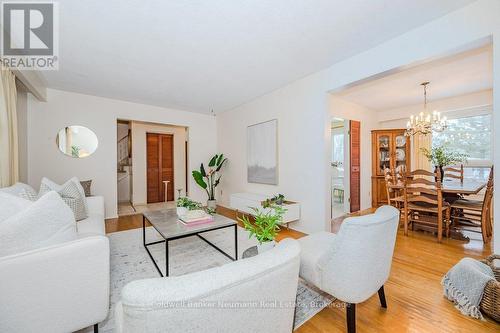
column 359, row 261
column 251, row 295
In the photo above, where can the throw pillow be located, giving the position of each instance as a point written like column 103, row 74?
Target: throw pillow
column 11, row 205
column 56, row 187
column 28, row 195
column 45, row 222
column 17, row 188
column 86, row 184
column 71, row 196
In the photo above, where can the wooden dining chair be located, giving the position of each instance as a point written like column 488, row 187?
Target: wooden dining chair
column 393, row 194
column 476, row 213
column 424, row 204
column 454, row 172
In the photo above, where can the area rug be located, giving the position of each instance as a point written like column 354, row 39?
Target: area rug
column 129, row 262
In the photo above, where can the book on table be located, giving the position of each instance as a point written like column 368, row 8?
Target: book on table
column 193, row 217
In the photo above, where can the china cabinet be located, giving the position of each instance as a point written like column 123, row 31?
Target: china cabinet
column 390, row 149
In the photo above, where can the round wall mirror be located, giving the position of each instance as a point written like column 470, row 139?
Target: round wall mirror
column 76, row 141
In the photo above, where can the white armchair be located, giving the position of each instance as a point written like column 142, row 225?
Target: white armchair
column 250, row 295
column 354, row 263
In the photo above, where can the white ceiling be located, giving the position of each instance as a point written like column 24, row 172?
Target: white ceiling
column 456, row 75
column 197, row 55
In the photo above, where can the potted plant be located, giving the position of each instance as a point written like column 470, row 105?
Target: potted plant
column 208, row 180
column 278, row 199
column 442, row 156
column 184, row 204
column 265, row 226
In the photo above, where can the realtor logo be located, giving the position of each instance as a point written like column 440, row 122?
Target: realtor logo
column 29, row 37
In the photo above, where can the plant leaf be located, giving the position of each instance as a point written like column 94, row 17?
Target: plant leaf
column 220, row 165
column 219, row 159
column 202, row 170
column 212, row 162
column 198, row 177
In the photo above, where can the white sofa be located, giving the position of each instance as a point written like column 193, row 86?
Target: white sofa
column 204, row 301
column 59, row 288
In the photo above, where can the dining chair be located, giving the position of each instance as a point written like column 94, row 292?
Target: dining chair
column 454, row 172
column 393, row 196
column 424, row 204
column 475, row 213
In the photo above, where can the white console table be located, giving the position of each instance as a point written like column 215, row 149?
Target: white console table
column 242, row 202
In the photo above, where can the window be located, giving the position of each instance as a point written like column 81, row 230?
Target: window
column 338, row 147
column 470, row 135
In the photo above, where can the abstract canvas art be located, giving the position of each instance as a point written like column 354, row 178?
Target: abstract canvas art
column 262, row 153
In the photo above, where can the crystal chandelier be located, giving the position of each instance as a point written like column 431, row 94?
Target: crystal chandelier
column 425, row 123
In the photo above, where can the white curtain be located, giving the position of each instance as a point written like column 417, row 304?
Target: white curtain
column 419, row 160
column 9, row 159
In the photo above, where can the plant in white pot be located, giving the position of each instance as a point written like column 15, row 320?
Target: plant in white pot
column 184, row 204
column 209, row 179
column 265, row 225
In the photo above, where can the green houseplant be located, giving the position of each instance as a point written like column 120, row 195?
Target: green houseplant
column 441, row 156
column 265, row 226
column 184, row 204
column 278, row 199
column 208, row 180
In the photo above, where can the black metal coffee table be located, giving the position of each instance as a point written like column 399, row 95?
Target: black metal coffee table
column 167, row 224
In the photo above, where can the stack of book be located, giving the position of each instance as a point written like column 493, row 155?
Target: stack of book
column 196, row 217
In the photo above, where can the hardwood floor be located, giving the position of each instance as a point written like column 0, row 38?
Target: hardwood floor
column 414, row 293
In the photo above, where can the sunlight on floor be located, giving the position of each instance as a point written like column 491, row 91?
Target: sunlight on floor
column 126, row 208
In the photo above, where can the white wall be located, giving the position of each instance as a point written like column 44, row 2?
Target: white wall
column 302, row 109
column 139, row 164
column 62, row 109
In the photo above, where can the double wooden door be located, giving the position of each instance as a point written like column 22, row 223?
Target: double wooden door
column 160, row 166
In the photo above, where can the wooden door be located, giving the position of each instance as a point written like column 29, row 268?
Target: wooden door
column 355, row 163
column 160, row 166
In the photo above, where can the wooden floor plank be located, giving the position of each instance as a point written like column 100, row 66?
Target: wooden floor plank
column 414, row 294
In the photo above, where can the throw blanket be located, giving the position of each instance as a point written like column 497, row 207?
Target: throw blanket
column 464, row 285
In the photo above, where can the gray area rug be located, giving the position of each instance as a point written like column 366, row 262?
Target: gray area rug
column 129, row 262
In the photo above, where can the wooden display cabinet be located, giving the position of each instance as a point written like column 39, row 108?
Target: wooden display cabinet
column 390, row 149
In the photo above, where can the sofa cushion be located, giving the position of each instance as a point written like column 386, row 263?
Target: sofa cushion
column 11, row 204
column 95, row 205
column 313, row 247
column 17, row 188
column 94, row 224
column 45, row 222
column 72, row 194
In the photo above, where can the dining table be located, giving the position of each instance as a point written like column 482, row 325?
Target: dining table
column 453, row 189
column 465, row 187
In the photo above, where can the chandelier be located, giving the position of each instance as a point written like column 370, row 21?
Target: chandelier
column 425, row 123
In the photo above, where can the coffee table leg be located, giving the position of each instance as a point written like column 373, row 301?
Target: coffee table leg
column 236, row 242
column 166, row 258
column 144, row 230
